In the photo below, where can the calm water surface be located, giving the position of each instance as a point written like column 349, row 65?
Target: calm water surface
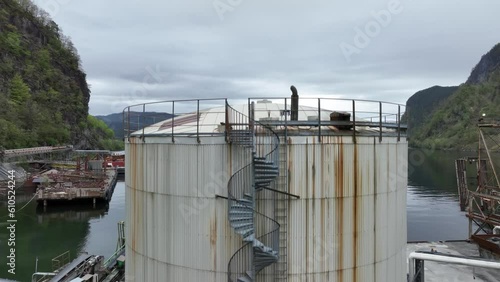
column 433, row 214
column 433, row 210
column 48, row 234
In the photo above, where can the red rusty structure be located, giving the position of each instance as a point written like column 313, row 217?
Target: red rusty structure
column 482, row 205
column 91, row 180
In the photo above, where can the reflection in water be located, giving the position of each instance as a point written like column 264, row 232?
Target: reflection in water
column 433, row 210
column 48, row 233
column 80, row 212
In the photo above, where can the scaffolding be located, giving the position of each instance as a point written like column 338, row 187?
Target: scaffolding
column 482, row 205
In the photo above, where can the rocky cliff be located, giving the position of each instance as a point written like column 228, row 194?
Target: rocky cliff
column 43, row 89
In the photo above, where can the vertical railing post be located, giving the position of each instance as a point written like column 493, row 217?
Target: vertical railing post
column 128, row 127
column 124, row 124
column 380, row 121
column 286, row 121
column 399, row 123
column 354, row 120
column 227, row 121
column 251, row 115
column 142, row 121
column 198, row 121
column 249, row 110
column 319, row 120
column 172, row 120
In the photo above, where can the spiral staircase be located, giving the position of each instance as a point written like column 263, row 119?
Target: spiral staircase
column 259, row 147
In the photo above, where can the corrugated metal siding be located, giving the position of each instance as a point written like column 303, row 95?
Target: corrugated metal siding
column 349, row 225
column 176, row 229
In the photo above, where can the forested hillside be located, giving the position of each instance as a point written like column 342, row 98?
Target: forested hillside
column 453, row 124
column 44, row 95
column 422, row 105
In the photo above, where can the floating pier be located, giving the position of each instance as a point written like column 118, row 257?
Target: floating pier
column 90, row 180
column 76, row 185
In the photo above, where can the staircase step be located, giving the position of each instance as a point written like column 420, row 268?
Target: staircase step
column 266, row 170
column 242, row 225
column 245, row 233
column 247, row 196
column 241, row 220
column 266, row 173
column 237, row 205
column 249, row 237
column 241, row 213
column 266, row 165
column 263, row 181
column 246, row 278
column 245, row 201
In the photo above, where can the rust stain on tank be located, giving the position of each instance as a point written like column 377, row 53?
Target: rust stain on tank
column 323, row 183
column 357, row 206
column 323, row 254
column 375, row 188
column 313, row 170
column 307, row 227
column 307, row 169
column 213, row 239
column 339, row 207
column 290, row 168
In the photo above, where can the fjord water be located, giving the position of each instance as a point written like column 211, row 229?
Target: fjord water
column 433, row 214
column 433, row 210
column 47, row 234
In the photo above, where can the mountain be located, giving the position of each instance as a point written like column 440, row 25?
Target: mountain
column 43, row 89
column 452, row 124
column 486, row 66
column 422, row 105
column 115, row 121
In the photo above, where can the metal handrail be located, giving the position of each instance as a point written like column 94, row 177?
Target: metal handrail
column 114, row 256
column 328, row 98
column 134, row 116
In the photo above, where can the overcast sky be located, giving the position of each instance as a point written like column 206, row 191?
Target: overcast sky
column 139, row 51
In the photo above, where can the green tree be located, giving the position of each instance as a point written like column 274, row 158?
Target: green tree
column 19, row 91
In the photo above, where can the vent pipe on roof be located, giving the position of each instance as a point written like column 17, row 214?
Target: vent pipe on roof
column 295, row 103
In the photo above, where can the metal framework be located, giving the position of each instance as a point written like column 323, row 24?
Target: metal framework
column 482, row 205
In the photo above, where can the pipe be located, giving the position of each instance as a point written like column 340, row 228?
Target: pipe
column 295, row 104
column 448, row 259
column 42, row 274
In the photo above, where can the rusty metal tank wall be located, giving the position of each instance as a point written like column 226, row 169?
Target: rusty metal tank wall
column 349, row 224
column 176, row 228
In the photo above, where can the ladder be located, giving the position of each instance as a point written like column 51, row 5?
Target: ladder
column 281, row 212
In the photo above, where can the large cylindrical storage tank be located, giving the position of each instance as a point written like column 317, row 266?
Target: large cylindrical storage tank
column 340, row 199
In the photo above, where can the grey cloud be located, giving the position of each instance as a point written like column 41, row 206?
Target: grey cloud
column 261, row 47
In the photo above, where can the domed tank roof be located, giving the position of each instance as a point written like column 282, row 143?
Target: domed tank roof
column 209, row 120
